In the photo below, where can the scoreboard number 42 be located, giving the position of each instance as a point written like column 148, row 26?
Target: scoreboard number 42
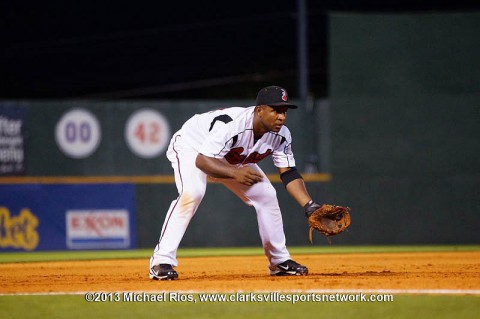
column 147, row 133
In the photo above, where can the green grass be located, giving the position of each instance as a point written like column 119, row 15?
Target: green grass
column 403, row 306
column 202, row 252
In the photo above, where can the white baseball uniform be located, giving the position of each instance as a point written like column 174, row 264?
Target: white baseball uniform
column 225, row 134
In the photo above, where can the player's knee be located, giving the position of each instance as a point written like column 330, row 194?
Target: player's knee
column 270, row 193
column 267, row 196
column 191, row 197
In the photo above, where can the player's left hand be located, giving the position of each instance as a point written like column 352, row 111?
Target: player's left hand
column 329, row 220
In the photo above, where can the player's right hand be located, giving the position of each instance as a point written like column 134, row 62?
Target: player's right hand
column 247, row 176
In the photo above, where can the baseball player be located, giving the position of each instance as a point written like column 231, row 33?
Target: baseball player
column 226, row 145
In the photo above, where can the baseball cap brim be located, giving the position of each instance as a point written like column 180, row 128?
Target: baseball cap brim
column 290, row 106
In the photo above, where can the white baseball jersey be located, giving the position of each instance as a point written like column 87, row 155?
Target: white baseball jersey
column 228, row 133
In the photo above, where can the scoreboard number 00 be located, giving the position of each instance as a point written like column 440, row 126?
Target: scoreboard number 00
column 78, row 133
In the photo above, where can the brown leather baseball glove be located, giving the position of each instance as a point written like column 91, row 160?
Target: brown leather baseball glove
column 329, row 220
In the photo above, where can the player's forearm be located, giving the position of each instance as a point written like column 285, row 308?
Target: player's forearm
column 214, row 167
column 298, row 191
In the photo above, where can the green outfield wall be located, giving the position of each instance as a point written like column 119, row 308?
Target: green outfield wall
column 58, row 150
column 405, row 111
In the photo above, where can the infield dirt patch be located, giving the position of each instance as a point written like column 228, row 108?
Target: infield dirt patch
column 436, row 270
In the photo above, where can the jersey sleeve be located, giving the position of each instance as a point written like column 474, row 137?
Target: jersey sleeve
column 283, row 155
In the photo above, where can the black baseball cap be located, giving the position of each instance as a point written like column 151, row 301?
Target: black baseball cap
column 274, row 96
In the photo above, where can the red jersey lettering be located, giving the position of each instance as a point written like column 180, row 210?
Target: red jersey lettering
column 235, row 156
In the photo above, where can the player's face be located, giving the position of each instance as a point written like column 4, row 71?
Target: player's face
column 273, row 118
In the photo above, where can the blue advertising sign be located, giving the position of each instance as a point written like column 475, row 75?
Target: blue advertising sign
column 67, row 216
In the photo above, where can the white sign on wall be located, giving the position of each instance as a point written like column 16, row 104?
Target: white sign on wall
column 97, row 228
column 147, row 133
column 78, row 133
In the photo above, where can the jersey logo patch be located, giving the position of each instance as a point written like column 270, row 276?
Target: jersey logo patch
column 235, row 156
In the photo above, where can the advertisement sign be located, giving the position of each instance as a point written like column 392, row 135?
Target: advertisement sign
column 12, row 140
column 97, row 228
column 67, row 216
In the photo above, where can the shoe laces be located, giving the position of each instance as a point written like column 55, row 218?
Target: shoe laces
column 166, row 266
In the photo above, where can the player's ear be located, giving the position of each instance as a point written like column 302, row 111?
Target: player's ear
column 259, row 109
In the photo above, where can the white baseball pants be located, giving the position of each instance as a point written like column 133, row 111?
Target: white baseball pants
column 191, row 183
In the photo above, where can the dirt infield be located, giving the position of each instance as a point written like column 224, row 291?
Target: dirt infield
column 436, row 270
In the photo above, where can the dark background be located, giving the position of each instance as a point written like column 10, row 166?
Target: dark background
column 174, row 50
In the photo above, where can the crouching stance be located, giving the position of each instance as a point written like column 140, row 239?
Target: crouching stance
column 226, row 145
